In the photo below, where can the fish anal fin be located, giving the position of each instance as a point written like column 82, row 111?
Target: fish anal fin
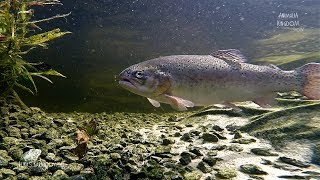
column 231, row 55
column 178, row 103
column 266, row 101
column 154, row 102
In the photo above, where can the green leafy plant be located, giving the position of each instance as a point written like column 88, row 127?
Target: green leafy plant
column 17, row 38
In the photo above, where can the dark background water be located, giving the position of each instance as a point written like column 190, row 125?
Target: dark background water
column 109, row 35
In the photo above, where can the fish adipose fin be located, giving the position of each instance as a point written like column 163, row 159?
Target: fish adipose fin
column 310, row 85
column 266, row 101
column 154, row 102
column 179, row 103
column 233, row 55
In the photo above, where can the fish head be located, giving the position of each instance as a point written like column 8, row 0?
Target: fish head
column 144, row 81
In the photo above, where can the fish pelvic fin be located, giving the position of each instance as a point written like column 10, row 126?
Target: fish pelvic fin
column 233, row 55
column 266, row 101
column 154, row 102
column 310, row 85
column 178, row 103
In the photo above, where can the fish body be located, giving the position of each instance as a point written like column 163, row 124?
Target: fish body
column 200, row 80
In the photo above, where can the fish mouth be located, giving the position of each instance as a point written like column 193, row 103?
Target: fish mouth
column 124, row 82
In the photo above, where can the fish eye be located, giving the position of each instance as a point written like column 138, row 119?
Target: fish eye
column 138, row 74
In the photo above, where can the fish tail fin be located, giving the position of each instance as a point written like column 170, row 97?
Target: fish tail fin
column 310, row 76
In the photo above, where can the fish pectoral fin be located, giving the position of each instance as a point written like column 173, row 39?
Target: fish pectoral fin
column 179, row 103
column 154, row 102
column 266, row 101
column 231, row 56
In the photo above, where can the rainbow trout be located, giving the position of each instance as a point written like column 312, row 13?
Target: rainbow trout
column 199, row 80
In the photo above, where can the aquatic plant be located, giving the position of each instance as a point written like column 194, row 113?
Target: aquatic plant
column 18, row 36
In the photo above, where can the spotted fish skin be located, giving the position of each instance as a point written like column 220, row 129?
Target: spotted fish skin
column 199, row 80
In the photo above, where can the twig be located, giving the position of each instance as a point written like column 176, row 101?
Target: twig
column 47, row 19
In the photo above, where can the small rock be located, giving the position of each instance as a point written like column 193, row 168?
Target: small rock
column 160, row 150
column 87, row 172
column 210, row 161
column 19, row 168
column 237, row 135
column 74, row 168
column 4, row 161
column 203, row 167
column 177, row 134
column 60, row 175
column 9, row 141
column 167, row 141
column 212, row 153
column 16, row 152
column 7, row 172
column 22, row 176
column 14, row 132
column 263, row 152
column 217, row 128
column 244, row 140
column 226, row 173
column 235, row 148
column 293, row 177
column 39, row 167
column 52, row 157
column 219, row 147
column 294, row 162
column 186, row 137
column 173, row 119
column 31, row 156
column 189, row 125
column 219, row 135
column 196, row 151
column 232, row 127
column 194, row 175
column 207, row 137
column 266, row 162
column 185, row 158
column 194, row 132
column 252, row 169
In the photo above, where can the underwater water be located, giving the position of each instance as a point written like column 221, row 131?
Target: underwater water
column 86, row 126
column 109, row 36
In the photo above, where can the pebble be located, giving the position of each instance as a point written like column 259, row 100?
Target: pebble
column 38, row 167
column 203, row 167
column 210, row 161
column 74, row 168
column 294, row 162
column 31, row 156
column 60, row 175
column 208, row 137
column 185, row 158
column 263, row 152
column 252, row 169
column 226, row 173
column 186, row 137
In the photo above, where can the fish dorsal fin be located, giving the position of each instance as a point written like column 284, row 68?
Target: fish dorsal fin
column 154, row 102
column 233, row 55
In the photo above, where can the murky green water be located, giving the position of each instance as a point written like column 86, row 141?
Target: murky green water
column 108, row 36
